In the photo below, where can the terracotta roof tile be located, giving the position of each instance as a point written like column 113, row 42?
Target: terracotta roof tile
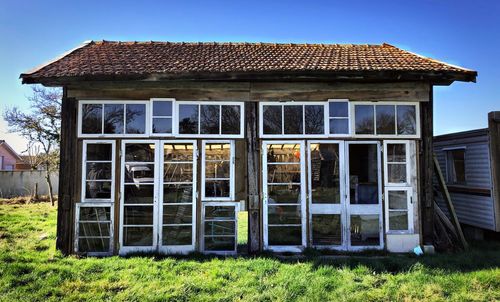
column 115, row 59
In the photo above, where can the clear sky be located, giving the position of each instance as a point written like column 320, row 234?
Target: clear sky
column 465, row 33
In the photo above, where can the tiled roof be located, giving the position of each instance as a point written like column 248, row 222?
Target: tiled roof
column 114, row 60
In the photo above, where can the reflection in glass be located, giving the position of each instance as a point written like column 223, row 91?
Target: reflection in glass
column 177, row 235
column 175, row 172
column 91, row 118
column 137, row 236
column 272, row 119
column 178, row 193
column 98, row 189
column 217, row 188
column 363, row 174
column 289, row 173
column 220, row 212
column 95, row 214
column 279, row 214
column 139, row 152
column 398, row 220
column 283, row 194
column 293, row 119
column 325, row 171
column 162, row 125
column 98, row 171
column 113, row 118
column 365, row 230
column 220, row 244
column 93, row 229
column 217, row 169
column 231, row 119
column 134, row 194
column 386, row 119
column 162, row 108
column 339, row 126
column 177, row 214
column 217, row 151
column 139, row 173
column 188, row 119
column 99, row 152
column 398, row 200
column 178, row 152
column 407, row 119
column 339, row 109
column 364, row 119
column 396, row 173
column 326, row 229
column 315, row 119
column 283, row 153
column 284, row 235
column 138, row 215
column 136, row 118
column 93, row 245
column 216, row 228
column 396, row 153
column 209, row 119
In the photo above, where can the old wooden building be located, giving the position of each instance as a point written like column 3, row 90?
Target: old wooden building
column 329, row 146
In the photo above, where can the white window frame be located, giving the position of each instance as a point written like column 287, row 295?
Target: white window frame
column 78, row 206
column 236, row 206
column 387, row 163
column 285, row 248
column 217, row 103
column 114, row 102
column 409, row 210
column 349, row 118
column 152, row 116
column 395, row 135
column 177, row 249
column 326, row 120
column 231, row 170
column 84, row 170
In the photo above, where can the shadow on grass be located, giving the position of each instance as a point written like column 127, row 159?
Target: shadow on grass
column 482, row 255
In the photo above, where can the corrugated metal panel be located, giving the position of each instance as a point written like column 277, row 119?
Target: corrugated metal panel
column 471, row 209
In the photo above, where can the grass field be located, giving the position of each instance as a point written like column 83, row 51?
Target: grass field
column 31, row 270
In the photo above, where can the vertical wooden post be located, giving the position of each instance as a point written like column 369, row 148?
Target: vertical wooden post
column 67, row 177
column 494, row 132
column 253, row 164
column 426, row 169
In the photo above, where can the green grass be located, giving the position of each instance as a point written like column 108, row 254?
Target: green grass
column 31, row 270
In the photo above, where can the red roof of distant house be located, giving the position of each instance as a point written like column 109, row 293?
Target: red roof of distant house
column 106, row 60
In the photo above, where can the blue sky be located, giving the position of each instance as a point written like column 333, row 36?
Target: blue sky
column 465, row 33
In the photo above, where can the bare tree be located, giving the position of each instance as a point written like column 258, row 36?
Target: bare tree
column 40, row 126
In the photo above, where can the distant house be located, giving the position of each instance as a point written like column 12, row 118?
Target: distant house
column 9, row 159
column 470, row 162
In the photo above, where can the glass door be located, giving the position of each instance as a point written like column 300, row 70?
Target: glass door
column 284, row 195
column 327, row 212
column 364, row 198
column 177, row 191
column 138, row 213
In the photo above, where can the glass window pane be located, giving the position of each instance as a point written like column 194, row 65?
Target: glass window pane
column 93, row 245
column 407, row 119
column 325, row 171
column 162, row 125
column 364, row 119
column 283, row 194
column 178, row 193
column 113, row 118
column 217, row 188
column 99, row 152
column 278, row 214
column 98, row 171
column 177, row 214
column 363, row 174
column 174, row 172
column 141, row 194
column 138, row 236
column 178, row 152
column 139, row 173
column 365, row 230
column 217, row 169
column 209, row 119
column 140, row 152
column 217, row 228
column 284, row 235
column 95, row 214
column 231, row 119
column 456, row 166
column 398, row 200
column 283, row 153
column 138, row 215
column 293, row 119
column 272, row 119
column 98, row 190
column 220, row 212
column 136, row 118
column 217, row 151
column 326, row 229
column 91, row 118
column 339, row 109
column 93, row 229
column 339, row 126
column 398, row 220
column 289, row 173
column 396, row 173
column 386, row 119
column 396, row 153
column 188, row 119
column 315, row 119
column 162, row 108
column 220, row 244
column 177, row 235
